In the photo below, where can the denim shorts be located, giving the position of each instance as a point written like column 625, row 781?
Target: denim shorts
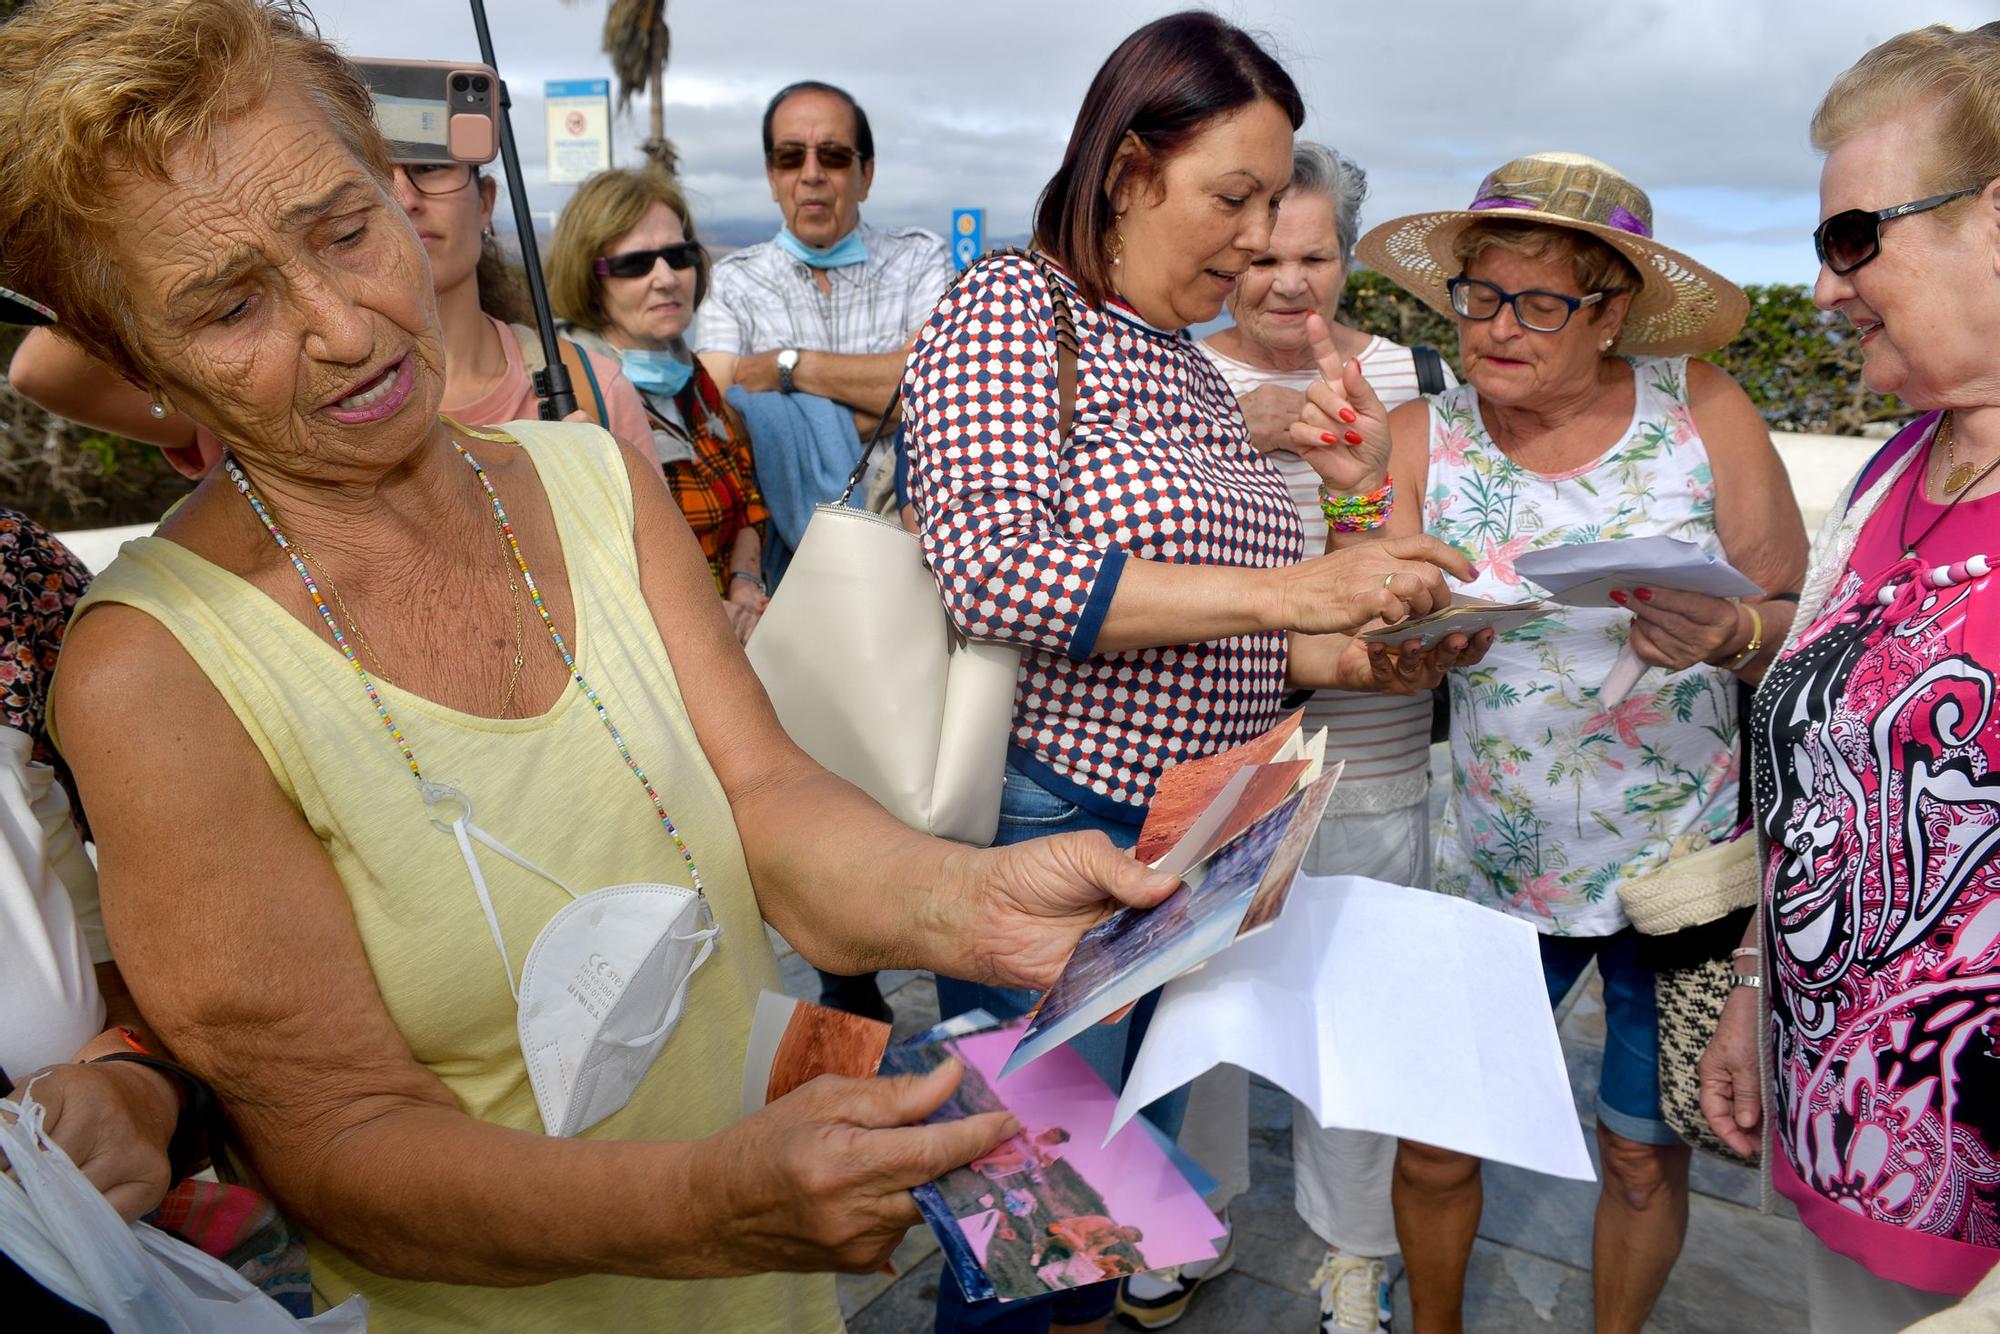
column 1628, row 1085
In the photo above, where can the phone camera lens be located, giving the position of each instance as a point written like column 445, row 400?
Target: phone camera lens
column 459, row 83
column 479, row 83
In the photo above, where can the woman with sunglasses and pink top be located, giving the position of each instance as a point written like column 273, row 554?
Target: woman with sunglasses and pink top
column 626, row 274
column 490, row 345
column 1875, row 738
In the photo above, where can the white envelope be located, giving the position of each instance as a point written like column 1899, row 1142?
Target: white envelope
column 1582, row 574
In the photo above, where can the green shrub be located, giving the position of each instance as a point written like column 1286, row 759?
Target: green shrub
column 69, row 476
column 1800, row 365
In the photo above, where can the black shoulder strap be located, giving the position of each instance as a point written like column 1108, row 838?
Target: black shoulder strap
column 1066, row 352
column 1430, row 370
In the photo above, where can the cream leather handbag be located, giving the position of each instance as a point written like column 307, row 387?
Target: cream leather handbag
column 869, row 675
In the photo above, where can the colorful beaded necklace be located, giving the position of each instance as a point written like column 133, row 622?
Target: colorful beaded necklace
column 242, row 481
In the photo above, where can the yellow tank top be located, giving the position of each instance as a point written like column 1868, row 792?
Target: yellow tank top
column 555, row 790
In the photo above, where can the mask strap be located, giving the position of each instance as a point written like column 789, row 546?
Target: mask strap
column 707, row 938
column 460, row 829
column 681, row 993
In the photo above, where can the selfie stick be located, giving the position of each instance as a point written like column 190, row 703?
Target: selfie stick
column 552, row 384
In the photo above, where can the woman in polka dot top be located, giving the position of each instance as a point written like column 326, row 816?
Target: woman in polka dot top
column 1150, row 564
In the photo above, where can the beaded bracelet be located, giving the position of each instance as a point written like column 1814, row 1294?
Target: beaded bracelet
column 1358, row 514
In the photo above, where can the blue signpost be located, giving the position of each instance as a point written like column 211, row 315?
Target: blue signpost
column 968, row 236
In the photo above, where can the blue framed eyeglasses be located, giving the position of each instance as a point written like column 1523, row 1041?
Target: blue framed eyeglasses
column 1543, row 312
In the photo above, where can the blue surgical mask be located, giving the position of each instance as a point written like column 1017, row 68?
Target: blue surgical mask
column 660, row 373
column 849, row 249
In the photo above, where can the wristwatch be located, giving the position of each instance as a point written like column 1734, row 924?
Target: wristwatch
column 788, row 361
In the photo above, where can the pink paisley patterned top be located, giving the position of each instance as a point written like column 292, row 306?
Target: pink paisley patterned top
column 1875, row 745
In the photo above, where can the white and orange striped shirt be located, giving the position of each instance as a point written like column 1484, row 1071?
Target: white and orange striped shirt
column 1385, row 739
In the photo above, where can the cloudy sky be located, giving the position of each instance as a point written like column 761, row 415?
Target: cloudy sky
column 1703, row 102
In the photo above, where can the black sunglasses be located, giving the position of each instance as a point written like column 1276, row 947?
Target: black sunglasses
column 834, row 157
column 1847, row 240
column 639, row 263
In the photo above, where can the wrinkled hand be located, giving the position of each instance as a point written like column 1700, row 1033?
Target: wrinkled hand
column 821, row 1178
column 1344, row 430
column 744, row 607
column 1270, row 411
column 1678, row 630
column 114, row 1120
column 1388, row 581
column 1730, row 1096
column 1409, row 668
column 1013, row 914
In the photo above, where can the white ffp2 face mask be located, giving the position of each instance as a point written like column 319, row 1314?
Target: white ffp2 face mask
column 605, row 985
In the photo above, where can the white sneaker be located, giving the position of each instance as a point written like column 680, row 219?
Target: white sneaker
column 1353, row 1293
column 1159, row 1297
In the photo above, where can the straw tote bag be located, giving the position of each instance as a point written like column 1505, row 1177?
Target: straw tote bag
column 869, row 675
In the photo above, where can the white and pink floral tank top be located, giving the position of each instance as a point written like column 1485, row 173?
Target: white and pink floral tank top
column 1555, row 799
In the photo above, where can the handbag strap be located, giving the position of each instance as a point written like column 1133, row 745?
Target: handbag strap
column 1430, row 370
column 1066, row 355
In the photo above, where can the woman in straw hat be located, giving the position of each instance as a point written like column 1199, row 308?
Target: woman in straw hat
column 1581, row 418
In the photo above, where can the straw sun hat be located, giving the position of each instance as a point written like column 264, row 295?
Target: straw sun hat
column 1682, row 307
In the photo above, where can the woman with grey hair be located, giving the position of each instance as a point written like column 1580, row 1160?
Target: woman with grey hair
column 1377, row 823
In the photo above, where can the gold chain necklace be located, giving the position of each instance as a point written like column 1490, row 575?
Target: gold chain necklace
column 1958, row 476
column 513, row 589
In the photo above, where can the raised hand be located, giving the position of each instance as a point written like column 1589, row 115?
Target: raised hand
column 1343, row 430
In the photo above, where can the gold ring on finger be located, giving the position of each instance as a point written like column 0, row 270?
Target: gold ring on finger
column 1388, row 578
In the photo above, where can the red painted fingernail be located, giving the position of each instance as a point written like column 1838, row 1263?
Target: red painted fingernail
column 1644, row 595
column 1348, row 415
column 1326, row 438
column 1354, row 437
column 1618, row 596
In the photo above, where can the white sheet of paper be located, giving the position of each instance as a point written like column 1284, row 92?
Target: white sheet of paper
column 1452, row 1043
column 1582, row 574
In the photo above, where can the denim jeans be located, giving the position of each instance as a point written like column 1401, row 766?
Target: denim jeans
column 1028, row 811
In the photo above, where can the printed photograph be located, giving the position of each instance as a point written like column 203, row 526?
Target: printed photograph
column 1125, row 956
column 1276, row 886
column 793, row 1042
column 1185, row 792
column 1055, row 1206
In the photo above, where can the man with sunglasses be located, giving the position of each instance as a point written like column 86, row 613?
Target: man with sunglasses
column 828, row 306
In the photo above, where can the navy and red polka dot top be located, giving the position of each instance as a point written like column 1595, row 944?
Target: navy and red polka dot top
column 1028, row 534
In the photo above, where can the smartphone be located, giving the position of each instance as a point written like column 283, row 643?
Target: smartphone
column 436, row 110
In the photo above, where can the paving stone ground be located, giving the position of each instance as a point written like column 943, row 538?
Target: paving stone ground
column 1740, row 1271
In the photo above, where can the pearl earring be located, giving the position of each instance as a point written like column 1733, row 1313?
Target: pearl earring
column 1608, row 342
column 157, row 408
column 486, row 235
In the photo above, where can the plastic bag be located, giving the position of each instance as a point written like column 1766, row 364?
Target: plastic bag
column 137, row 1279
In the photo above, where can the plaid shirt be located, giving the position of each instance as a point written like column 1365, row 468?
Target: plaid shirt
column 716, row 488
column 761, row 299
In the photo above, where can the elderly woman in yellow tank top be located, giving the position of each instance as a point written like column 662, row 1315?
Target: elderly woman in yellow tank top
column 439, row 813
